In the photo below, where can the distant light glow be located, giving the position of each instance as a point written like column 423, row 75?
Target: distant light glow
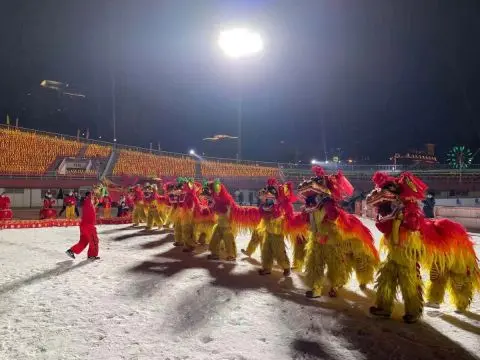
column 192, row 152
column 240, row 42
column 313, row 161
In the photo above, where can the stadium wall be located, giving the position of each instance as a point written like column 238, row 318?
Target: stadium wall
column 24, row 198
column 467, row 216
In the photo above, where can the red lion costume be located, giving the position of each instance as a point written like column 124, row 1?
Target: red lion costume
column 412, row 240
column 5, row 211
column 337, row 240
column 182, row 198
column 275, row 213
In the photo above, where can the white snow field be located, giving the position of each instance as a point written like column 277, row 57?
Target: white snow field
column 146, row 299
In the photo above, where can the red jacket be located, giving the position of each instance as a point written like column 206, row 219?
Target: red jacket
column 88, row 213
column 70, row 200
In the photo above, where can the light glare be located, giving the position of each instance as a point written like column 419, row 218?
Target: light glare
column 238, row 43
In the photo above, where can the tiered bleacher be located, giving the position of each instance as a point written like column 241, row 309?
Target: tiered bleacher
column 26, row 153
column 135, row 163
column 97, row 151
column 212, row 169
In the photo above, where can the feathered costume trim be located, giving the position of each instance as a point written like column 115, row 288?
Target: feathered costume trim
column 358, row 236
column 441, row 243
column 450, row 247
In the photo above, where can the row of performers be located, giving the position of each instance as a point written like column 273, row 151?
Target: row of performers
column 70, row 202
column 329, row 244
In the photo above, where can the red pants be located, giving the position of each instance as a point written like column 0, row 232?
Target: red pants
column 88, row 236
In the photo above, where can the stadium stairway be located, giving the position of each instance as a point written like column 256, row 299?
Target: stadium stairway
column 81, row 153
column 282, row 175
column 112, row 160
column 198, row 170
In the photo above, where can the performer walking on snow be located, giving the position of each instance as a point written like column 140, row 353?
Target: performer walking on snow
column 88, row 231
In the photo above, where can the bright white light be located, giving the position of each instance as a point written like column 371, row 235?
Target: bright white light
column 240, row 42
column 313, row 161
column 326, row 161
column 192, row 152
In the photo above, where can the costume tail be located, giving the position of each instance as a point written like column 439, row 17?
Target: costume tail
column 451, row 255
column 245, row 218
column 361, row 249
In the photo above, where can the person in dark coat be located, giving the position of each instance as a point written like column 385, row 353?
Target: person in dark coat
column 429, row 206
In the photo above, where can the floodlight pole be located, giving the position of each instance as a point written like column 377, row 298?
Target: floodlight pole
column 239, row 119
column 114, row 110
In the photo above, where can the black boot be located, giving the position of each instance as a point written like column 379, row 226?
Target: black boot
column 410, row 319
column 70, row 253
column 264, row 272
column 311, row 295
column 379, row 312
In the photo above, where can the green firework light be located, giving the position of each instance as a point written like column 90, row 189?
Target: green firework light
column 460, row 157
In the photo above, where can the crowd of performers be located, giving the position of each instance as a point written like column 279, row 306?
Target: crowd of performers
column 71, row 203
column 329, row 244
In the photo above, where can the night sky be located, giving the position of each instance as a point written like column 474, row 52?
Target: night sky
column 378, row 76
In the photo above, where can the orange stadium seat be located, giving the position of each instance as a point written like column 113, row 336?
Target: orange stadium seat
column 225, row 169
column 143, row 164
column 25, row 153
column 97, row 151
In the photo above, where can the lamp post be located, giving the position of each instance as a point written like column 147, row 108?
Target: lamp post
column 240, row 43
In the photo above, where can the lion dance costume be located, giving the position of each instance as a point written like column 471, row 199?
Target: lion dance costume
column 106, row 202
column 229, row 219
column 336, row 240
column 139, row 213
column 275, row 212
column 204, row 218
column 48, row 212
column 182, row 198
column 439, row 244
column 222, row 205
column 5, row 211
column 153, row 202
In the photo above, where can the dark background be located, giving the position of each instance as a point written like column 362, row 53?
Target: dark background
column 369, row 77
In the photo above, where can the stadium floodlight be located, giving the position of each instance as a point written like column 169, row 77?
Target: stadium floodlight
column 240, row 42
column 192, row 152
column 313, row 161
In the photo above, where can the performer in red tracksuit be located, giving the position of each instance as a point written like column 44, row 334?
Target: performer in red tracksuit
column 88, row 231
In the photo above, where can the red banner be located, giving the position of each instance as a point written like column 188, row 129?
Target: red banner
column 28, row 224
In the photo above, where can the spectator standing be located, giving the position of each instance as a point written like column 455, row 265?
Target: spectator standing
column 429, row 206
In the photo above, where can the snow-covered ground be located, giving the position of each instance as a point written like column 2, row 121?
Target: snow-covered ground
column 146, row 299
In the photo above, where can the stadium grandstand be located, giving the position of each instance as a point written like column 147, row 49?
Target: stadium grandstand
column 32, row 155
